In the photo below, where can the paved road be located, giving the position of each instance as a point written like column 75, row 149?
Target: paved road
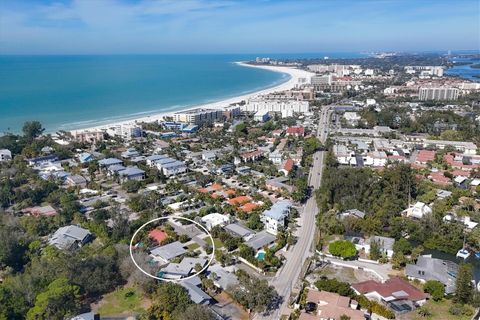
column 288, row 275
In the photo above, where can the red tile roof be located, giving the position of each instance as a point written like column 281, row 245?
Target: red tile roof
column 239, row 200
column 439, row 178
column 394, row 287
column 288, row 165
column 425, row 155
column 158, row 235
column 249, row 207
column 296, row 130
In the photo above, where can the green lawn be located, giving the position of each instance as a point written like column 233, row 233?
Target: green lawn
column 193, row 246
column 439, row 310
column 124, row 301
column 218, row 243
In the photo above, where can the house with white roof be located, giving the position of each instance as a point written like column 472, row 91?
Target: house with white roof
column 274, row 218
column 214, row 219
column 417, row 211
column 5, row 155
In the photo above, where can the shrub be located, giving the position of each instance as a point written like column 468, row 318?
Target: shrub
column 435, row 289
column 342, row 248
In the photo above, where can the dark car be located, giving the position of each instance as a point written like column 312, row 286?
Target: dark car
column 310, row 306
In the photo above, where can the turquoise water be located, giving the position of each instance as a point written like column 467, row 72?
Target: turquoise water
column 261, row 256
column 69, row 92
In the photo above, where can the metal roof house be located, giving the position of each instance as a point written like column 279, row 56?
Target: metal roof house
column 106, row 163
column 428, row 268
column 274, row 218
column 168, row 252
column 70, row 237
column 152, row 160
column 173, row 168
column 131, row 173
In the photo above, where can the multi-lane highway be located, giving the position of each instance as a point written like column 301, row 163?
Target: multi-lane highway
column 290, row 272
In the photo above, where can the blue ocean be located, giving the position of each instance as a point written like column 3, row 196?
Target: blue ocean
column 69, row 92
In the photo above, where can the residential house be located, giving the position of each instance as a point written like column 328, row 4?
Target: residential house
column 222, row 278
column 214, row 219
column 5, row 155
column 167, row 252
column 277, row 184
column 70, row 237
column 107, row 163
column 275, row 156
column 252, row 155
column 287, row 166
column 76, row 181
column 385, row 244
column 274, row 218
column 85, row 157
column 428, row 268
column 239, row 230
column 45, row 211
column 354, row 213
column 417, row 211
column 185, row 268
column 396, row 293
column 42, row 160
column 425, row 156
column 152, row 160
column 157, row 235
column 131, row 173
column 295, row 131
column 209, row 156
column 130, row 153
column 331, row 306
column 261, row 240
column 197, row 295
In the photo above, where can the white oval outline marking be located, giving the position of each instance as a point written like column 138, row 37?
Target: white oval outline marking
column 166, row 218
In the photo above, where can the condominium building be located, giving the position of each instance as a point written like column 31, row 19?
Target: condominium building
column 198, row 116
column 125, row 131
column 90, row 136
column 438, row 93
column 255, row 105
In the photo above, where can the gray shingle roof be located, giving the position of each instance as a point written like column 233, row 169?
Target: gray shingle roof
column 260, row 240
column 169, row 251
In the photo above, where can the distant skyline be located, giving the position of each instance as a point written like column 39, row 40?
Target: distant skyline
column 233, row 26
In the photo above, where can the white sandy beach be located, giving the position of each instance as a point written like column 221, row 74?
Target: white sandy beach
column 295, row 75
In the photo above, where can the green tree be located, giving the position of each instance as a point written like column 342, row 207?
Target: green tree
column 169, row 298
column 464, row 287
column 435, row 288
column 58, row 301
column 402, row 245
column 375, row 251
column 32, row 129
column 342, row 248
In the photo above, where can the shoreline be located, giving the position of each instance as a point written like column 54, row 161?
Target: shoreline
column 293, row 73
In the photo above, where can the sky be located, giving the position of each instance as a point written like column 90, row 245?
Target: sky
column 236, row 26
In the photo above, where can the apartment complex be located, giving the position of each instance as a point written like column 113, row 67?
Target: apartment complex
column 198, row 116
column 438, row 93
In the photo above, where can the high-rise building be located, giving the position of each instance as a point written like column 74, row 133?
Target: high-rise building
column 438, row 93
